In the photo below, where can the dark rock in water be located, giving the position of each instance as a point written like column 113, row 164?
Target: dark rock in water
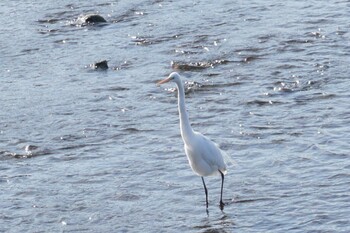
column 94, row 19
column 103, row 65
column 90, row 19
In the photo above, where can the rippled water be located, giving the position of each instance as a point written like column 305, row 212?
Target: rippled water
column 100, row 150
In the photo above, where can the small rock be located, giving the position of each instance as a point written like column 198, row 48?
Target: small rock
column 90, row 19
column 103, row 65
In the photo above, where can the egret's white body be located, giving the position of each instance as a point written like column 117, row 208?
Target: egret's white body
column 204, row 156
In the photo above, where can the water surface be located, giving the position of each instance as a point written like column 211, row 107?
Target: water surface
column 100, row 151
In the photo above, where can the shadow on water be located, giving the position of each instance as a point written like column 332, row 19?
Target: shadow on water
column 225, row 221
column 217, row 224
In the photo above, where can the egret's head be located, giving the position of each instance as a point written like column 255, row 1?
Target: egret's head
column 172, row 77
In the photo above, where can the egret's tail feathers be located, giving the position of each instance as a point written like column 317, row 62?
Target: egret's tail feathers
column 229, row 161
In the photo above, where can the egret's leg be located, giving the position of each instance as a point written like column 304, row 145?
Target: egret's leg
column 206, row 192
column 222, row 187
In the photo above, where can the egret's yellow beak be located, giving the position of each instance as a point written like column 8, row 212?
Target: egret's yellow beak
column 163, row 81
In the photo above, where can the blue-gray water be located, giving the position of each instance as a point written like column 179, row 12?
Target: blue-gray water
column 83, row 150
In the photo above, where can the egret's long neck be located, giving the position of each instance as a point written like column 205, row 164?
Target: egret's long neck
column 185, row 126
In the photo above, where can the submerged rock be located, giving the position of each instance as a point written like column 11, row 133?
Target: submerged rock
column 192, row 66
column 30, row 149
column 27, row 152
column 189, row 86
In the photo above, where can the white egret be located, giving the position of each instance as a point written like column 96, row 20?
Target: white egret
column 204, row 156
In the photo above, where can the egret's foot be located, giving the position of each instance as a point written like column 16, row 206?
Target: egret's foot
column 222, row 205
